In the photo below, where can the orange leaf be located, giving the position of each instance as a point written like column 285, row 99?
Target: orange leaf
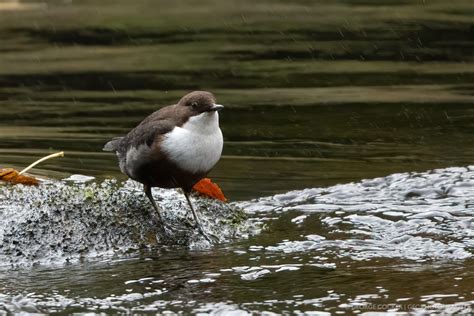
column 208, row 188
column 12, row 176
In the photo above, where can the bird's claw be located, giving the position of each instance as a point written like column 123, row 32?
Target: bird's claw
column 189, row 224
column 211, row 238
column 168, row 228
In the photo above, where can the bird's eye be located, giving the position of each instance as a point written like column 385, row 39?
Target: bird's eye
column 194, row 105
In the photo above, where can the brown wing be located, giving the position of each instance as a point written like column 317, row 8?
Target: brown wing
column 136, row 151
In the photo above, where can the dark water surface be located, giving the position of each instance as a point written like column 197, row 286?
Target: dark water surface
column 317, row 93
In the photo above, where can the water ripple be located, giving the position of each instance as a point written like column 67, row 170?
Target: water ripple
column 414, row 216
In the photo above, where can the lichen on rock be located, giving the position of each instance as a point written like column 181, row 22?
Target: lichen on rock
column 59, row 220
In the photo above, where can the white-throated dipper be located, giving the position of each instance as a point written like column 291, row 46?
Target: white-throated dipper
column 174, row 147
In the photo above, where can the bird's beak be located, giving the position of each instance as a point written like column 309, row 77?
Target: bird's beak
column 216, row 107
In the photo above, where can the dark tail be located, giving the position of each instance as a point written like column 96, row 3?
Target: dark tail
column 113, row 144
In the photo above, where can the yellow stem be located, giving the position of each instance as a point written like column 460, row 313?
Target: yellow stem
column 60, row 154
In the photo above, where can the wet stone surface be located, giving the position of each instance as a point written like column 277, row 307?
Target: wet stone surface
column 66, row 220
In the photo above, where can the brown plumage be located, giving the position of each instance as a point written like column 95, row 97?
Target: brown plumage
column 174, row 147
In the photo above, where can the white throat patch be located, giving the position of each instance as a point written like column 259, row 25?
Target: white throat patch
column 197, row 145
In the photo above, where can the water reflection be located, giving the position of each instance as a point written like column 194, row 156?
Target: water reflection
column 316, row 94
column 318, row 100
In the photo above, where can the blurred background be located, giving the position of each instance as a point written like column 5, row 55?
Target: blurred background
column 316, row 92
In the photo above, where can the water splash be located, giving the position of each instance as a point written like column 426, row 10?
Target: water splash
column 415, row 216
column 343, row 245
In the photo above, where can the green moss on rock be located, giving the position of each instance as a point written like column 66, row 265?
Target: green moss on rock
column 64, row 221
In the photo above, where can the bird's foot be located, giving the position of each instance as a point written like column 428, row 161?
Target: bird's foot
column 196, row 225
column 211, row 238
column 168, row 228
column 189, row 224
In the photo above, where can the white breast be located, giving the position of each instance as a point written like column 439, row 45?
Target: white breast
column 197, row 145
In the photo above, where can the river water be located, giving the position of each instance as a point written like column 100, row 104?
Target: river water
column 318, row 95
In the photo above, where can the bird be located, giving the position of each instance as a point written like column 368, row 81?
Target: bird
column 174, row 147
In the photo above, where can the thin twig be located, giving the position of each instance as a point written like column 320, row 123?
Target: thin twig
column 59, row 154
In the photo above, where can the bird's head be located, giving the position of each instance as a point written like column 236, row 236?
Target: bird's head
column 198, row 102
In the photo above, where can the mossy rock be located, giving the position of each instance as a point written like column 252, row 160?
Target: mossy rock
column 60, row 220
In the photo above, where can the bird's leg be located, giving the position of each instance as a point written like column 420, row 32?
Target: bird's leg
column 197, row 223
column 147, row 190
column 167, row 227
column 186, row 221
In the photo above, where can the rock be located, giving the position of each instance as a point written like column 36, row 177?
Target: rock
column 58, row 221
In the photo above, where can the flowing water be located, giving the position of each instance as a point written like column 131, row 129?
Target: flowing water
column 317, row 93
